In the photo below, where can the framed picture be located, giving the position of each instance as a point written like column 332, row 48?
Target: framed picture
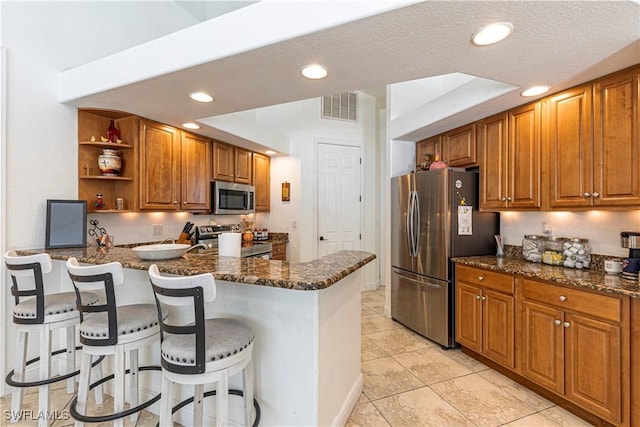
column 66, row 224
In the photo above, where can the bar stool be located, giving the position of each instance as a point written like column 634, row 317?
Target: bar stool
column 111, row 329
column 202, row 351
column 41, row 313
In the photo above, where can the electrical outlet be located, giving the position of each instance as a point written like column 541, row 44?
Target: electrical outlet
column 157, row 229
column 294, row 225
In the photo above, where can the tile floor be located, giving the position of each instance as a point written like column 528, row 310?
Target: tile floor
column 408, row 381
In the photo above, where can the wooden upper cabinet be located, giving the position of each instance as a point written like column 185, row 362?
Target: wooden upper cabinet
column 616, row 141
column 524, row 157
column 231, row 163
column 493, row 162
column 159, row 166
column 430, row 146
column 262, row 182
column 459, row 146
column 243, row 165
column 196, row 173
column 569, row 143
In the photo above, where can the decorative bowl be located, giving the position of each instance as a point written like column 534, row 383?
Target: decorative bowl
column 164, row 250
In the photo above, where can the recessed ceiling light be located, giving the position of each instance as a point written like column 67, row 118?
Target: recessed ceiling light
column 270, row 152
column 201, row 97
column 535, row 90
column 314, row 71
column 492, row 33
column 190, row 125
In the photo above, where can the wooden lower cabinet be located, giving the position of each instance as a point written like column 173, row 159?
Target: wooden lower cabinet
column 279, row 252
column 578, row 345
column 485, row 316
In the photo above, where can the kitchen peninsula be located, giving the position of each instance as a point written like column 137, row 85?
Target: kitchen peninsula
column 306, row 316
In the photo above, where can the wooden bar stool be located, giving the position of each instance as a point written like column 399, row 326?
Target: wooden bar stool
column 36, row 311
column 201, row 351
column 111, row 329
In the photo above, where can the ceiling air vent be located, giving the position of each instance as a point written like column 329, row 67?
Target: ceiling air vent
column 341, row 106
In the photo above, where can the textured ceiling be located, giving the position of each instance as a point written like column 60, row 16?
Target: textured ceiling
column 557, row 43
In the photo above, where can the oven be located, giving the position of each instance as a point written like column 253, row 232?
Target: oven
column 232, row 198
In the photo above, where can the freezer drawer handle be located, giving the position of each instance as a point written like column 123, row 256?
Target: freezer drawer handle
column 431, row 285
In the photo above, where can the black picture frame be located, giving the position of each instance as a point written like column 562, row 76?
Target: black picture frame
column 66, row 224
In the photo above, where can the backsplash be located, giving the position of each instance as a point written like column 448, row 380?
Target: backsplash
column 602, row 228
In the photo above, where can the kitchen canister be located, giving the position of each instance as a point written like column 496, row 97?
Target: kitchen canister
column 229, row 244
column 533, row 247
column 553, row 248
column 576, row 253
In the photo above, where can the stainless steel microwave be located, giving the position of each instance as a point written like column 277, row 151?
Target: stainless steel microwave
column 229, row 198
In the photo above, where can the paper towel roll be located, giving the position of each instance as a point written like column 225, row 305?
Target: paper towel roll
column 229, row 244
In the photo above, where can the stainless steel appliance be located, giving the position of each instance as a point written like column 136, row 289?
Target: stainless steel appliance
column 208, row 235
column 428, row 229
column 232, row 198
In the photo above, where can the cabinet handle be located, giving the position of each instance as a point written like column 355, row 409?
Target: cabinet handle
column 587, row 194
column 483, row 298
column 478, row 297
column 557, row 322
column 175, row 202
column 503, row 199
column 596, row 194
column 185, row 203
column 481, row 278
column 563, row 298
column 566, row 324
column 509, row 199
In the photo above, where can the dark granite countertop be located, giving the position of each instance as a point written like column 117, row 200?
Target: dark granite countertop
column 595, row 280
column 305, row 276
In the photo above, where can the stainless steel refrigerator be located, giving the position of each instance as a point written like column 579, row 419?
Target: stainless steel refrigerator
column 428, row 228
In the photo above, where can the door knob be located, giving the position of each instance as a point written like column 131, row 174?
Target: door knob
column 587, row 194
column 557, row 322
column 566, row 324
column 596, row 194
column 321, row 238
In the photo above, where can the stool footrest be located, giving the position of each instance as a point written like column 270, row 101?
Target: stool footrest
column 235, row 392
column 10, row 381
column 109, row 417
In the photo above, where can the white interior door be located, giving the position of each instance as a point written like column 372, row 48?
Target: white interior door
column 339, row 198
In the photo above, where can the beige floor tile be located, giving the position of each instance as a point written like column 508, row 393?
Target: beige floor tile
column 398, row 341
column 377, row 308
column 431, row 366
column 485, row 404
column 420, row 407
column 466, row 361
column 147, row 419
column 366, row 312
column 564, row 418
column 370, row 351
column 523, row 394
column 373, row 324
column 363, row 399
column 372, row 298
column 366, row 415
column 384, row 377
column 535, row 420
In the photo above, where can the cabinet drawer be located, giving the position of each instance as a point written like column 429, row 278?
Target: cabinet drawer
column 485, row 278
column 278, row 249
column 602, row 306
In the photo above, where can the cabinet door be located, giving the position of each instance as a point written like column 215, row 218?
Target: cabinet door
column 493, row 162
column 524, row 157
column 159, row 166
column 543, row 345
column 262, row 182
column 223, row 161
column 243, row 166
column 570, row 146
column 196, row 173
column 430, row 147
column 616, row 141
column 593, row 366
column 459, row 146
column 498, row 327
column 469, row 316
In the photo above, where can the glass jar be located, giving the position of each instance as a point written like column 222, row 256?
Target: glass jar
column 533, row 247
column 553, row 249
column 576, row 253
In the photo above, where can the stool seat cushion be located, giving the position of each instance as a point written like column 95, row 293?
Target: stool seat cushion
column 54, row 304
column 131, row 318
column 224, row 338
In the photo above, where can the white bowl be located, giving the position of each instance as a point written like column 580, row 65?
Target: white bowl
column 163, row 250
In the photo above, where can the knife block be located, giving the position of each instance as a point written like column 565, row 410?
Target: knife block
column 183, row 238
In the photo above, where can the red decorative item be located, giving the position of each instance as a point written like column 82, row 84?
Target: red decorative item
column 99, row 203
column 438, row 164
column 113, row 134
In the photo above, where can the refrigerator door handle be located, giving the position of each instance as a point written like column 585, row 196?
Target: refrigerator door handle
column 416, row 231
column 419, row 282
column 409, row 231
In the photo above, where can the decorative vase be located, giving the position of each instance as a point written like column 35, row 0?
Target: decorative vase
column 113, row 134
column 109, row 162
column 247, row 236
column 438, row 164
